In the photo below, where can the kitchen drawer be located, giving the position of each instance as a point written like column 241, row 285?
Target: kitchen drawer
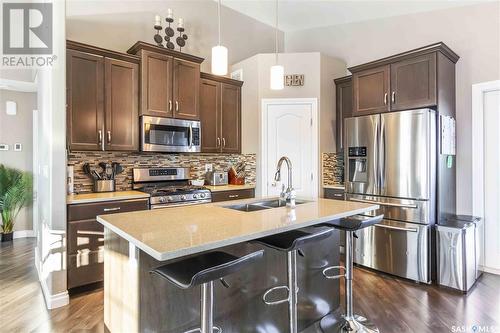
column 233, row 195
column 91, row 210
column 85, row 268
column 86, row 235
column 333, row 193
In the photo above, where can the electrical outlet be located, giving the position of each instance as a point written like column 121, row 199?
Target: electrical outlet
column 18, row 147
column 209, row 167
column 4, row 146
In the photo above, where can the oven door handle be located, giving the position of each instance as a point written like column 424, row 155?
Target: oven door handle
column 396, row 228
column 388, row 204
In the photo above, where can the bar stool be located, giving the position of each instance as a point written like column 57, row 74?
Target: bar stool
column 203, row 270
column 349, row 322
column 291, row 242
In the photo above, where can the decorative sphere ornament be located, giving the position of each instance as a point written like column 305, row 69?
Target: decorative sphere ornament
column 158, row 38
column 184, row 36
column 180, row 41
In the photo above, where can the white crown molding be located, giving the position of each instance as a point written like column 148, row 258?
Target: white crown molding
column 14, row 85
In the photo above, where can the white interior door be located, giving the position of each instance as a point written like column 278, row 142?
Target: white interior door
column 492, row 178
column 290, row 130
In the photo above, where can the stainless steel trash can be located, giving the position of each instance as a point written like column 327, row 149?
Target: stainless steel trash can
column 458, row 251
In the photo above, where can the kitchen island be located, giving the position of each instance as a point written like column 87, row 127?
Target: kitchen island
column 137, row 242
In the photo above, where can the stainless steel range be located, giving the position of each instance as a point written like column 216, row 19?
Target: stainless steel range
column 169, row 187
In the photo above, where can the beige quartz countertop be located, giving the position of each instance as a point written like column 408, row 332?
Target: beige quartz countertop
column 106, row 196
column 174, row 232
column 221, row 188
column 335, row 187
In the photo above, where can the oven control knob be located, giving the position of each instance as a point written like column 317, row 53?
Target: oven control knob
column 161, row 199
column 183, row 197
column 195, row 196
column 169, row 198
column 202, row 195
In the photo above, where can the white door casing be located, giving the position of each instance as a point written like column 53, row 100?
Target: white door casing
column 485, row 166
column 290, row 129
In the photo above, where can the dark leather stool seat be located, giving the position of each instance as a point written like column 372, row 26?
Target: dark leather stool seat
column 205, row 268
column 291, row 242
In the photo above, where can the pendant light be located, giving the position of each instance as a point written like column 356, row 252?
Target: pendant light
column 277, row 71
column 219, row 54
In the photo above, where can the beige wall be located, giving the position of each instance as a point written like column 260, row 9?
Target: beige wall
column 319, row 71
column 107, row 25
column 18, row 129
column 472, row 31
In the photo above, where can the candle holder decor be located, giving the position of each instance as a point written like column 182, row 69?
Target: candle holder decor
column 170, row 32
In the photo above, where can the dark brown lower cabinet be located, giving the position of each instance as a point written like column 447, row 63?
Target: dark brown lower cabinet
column 233, row 195
column 85, row 238
column 334, row 193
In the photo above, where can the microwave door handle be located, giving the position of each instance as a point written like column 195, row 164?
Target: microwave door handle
column 190, row 135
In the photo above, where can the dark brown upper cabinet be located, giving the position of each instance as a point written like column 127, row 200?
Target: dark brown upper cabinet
column 343, row 107
column 410, row 80
column 121, row 82
column 170, row 82
column 186, row 89
column 220, row 114
column 371, row 91
column 102, row 99
column 413, row 83
column 156, row 84
column 85, row 100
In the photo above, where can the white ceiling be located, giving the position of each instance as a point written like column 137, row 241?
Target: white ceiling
column 306, row 14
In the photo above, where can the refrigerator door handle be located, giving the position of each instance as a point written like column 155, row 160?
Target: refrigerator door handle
column 396, row 228
column 376, row 163
column 388, row 204
column 381, row 157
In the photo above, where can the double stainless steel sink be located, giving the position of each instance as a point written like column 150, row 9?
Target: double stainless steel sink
column 261, row 205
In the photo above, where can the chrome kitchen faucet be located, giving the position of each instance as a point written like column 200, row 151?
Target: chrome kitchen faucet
column 289, row 194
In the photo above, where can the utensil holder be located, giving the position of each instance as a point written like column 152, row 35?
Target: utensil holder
column 104, row 185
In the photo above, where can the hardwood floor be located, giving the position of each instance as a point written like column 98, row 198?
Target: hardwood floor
column 394, row 305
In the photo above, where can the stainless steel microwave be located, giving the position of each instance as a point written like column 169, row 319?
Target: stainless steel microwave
column 170, row 135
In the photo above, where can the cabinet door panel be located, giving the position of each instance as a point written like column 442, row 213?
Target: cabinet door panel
column 371, row 89
column 413, row 83
column 85, row 100
column 343, row 110
column 231, row 118
column 210, row 116
column 186, row 90
column 122, row 106
column 156, row 84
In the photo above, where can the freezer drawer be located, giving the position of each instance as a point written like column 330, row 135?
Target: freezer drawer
column 396, row 248
column 407, row 210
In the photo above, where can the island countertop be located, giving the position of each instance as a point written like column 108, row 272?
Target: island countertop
column 170, row 233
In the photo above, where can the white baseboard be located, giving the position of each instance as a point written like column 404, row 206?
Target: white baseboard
column 489, row 270
column 51, row 301
column 24, row 234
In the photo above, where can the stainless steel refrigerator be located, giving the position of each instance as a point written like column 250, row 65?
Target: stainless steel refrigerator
column 394, row 159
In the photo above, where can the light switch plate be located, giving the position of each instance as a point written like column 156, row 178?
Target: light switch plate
column 4, row 146
column 18, row 147
column 209, row 167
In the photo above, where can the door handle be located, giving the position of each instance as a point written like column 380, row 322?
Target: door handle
column 109, row 136
column 385, row 99
column 224, row 142
column 218, row 142
column 393, row 97
column 169, row 105
column 388, row 204
column 233, row 195
column 99, row 136
column 114, row 209
column 190, row 136
column 176, row 106
column 396, row 228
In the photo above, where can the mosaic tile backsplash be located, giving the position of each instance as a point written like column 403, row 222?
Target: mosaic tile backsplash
column 333, row 168
column 220, row 162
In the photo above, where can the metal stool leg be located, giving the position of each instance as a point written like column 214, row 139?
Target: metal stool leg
column 293, row 289
column 207, row 310
column 350, row 322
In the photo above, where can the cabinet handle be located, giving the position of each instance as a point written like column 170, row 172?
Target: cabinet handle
column 176, row 106
column 393, row 97
column 170, row 105
column 385, row 99
column 218, row 142
column 109, row 136
column 99, row 136
column 114, row 209
column 233, row 195
column 224, row 142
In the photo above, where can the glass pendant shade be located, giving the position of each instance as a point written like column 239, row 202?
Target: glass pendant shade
column 277, row 77
column 219, row 60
